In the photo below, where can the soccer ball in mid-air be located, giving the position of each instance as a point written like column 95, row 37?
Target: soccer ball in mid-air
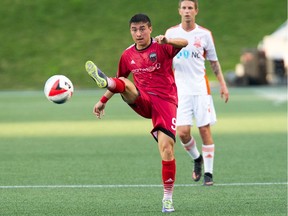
column 58, row 89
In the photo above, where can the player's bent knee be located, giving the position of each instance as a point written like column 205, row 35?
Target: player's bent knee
column 183, row 135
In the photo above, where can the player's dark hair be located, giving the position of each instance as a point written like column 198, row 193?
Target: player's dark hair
column 195, row 2
column 140, row 18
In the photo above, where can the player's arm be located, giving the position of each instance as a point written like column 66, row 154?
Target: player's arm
column 99, row 107
column 216, row 68
column 175, row 42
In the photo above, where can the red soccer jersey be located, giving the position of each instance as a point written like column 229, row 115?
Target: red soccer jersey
column 151, row 69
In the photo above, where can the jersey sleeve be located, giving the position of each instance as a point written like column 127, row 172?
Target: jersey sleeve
column 168, row 34
column 123, row 71
column 211, row 54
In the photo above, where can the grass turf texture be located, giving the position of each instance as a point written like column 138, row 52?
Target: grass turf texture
column 69, row 163
column 47, row 37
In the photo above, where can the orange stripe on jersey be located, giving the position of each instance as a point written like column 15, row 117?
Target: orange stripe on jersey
column 207, row 149
column 204, row 54
column 207, row 85
column 206, row 78
column 201, row 27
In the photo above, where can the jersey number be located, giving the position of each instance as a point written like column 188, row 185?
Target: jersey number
column 173, row 126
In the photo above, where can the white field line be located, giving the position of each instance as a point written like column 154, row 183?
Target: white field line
column 136, row 186
column 277, row 96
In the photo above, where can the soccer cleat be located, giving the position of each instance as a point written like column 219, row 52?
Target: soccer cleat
column 167, row 206
column 208, row 179
column 197, row 173
column 96, row 74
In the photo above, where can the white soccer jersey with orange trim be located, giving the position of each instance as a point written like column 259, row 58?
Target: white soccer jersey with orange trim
column 189, row 64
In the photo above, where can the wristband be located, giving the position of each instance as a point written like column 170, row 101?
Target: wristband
column 104, row 99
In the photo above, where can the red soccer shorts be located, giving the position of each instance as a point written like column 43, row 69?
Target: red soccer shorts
column 162, row 113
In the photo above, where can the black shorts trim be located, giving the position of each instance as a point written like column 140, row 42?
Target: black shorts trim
column 167, row 132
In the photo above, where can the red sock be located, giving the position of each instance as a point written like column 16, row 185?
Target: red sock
column 168, row 177
column 117, row 85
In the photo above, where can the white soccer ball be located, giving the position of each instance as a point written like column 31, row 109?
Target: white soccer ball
column 58, row 89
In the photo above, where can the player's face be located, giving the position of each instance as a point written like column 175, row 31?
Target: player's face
column 188, row 11
column 141, row 34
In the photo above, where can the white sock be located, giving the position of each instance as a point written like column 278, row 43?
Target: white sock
column 111, row 83
column 191, row 148
column 168, row 193
column 208, row 157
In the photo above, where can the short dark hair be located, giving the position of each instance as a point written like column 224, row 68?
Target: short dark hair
column 195, row 2
column 140, row 18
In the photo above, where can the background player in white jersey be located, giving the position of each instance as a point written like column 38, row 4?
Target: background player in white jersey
column 195, row 100
column 153, row 94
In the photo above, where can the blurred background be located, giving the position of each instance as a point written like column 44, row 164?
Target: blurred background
column 46, row 37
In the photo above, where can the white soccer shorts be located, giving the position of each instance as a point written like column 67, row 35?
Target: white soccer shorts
column 198, row 107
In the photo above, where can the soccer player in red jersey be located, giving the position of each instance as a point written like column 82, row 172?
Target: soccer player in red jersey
column 153, row 94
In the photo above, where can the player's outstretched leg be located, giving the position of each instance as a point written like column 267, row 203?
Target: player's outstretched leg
column 96, row 74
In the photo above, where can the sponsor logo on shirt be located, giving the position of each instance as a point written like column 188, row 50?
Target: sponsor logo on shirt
column 187, row 53
column 148, row 69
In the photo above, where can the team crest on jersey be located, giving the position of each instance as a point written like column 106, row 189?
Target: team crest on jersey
column 153, row 57
column 197, row 42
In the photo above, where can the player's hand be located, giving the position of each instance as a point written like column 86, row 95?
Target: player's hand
column 98, row 109
column 224, row 93
column 161, row 39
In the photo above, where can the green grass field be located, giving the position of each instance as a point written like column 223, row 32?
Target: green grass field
column 61, row 160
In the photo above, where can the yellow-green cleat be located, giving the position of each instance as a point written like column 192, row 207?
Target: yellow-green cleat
column 96, row 74
column 167, row 206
